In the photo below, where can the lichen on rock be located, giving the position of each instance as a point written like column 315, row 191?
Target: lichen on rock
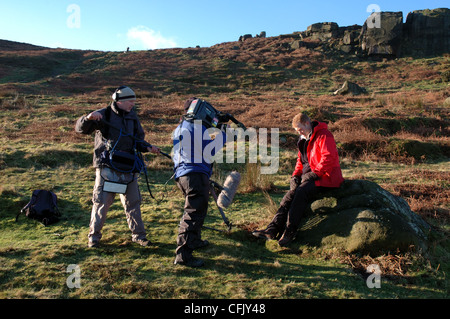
column 360, row 216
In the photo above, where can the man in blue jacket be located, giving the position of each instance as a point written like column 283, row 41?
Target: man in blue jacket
column 192, row 155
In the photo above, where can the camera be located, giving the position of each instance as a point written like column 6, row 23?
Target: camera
column 202, row 110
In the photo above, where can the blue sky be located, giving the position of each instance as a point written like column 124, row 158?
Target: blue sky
column 149, row 24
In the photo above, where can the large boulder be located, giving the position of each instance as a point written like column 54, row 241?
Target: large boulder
column 360, row 216
column 323, row 31
column 350, row 88
column 382, row 34
column 351, row 34
column 427, row 32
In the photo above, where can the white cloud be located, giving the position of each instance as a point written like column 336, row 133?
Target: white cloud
column 149, row 38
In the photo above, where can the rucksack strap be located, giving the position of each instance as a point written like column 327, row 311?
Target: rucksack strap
column 107, row 117
column 55, row 204
column 32, row 200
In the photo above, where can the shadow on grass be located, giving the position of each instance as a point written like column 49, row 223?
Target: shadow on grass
column 46, row 158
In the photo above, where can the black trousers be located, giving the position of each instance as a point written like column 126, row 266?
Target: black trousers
column 195, row 188
column 293, row 207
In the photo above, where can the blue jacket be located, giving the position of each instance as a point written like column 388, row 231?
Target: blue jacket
column 193, row 149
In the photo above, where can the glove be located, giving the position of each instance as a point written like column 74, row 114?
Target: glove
column 310, row 176
column 294, row 183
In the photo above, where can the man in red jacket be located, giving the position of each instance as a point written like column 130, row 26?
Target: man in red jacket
column 317, row 169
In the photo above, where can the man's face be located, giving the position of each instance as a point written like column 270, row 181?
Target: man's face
column 303, row 129
column 126, row 105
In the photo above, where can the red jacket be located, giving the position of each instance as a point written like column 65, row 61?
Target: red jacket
column 323, row 158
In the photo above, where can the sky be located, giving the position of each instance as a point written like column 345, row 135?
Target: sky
column 154, row 24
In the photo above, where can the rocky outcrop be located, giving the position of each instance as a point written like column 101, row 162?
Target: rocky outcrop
column 323, row 31
column 362, row 217
column 244, row 37
column 350, row 35
column 382, row 33
column 425, row 33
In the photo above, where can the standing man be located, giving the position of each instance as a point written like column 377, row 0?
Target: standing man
column 317, row 169
column 192, row 158
column 118, row 133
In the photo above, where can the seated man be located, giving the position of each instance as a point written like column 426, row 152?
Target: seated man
column 316, row 170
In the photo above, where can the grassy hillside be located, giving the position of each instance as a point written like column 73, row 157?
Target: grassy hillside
column 396, row 135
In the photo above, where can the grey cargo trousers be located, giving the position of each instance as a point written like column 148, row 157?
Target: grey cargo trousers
column 101, row 200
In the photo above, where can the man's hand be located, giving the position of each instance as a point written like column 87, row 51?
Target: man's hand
column 154, row 149
column 311, row 176
column 294, row 182
column 94, row 116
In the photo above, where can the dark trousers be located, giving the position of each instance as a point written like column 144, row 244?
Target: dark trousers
column 293, row 207
column 195, row 188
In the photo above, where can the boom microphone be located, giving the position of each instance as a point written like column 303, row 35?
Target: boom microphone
column 230, row 187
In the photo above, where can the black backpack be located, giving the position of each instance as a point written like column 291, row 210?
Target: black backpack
column 42, row 207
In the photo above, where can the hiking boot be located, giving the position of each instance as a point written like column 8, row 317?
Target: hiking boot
column 265, row 234
column 287, row 238
column 144, row 242
column 93, row 244
column 192, row 262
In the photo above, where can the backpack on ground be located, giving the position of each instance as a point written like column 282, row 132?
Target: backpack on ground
column 42, row 207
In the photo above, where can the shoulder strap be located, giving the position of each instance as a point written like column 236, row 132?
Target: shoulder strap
column 55, row 204
column 31, row 202
column 107, row 118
